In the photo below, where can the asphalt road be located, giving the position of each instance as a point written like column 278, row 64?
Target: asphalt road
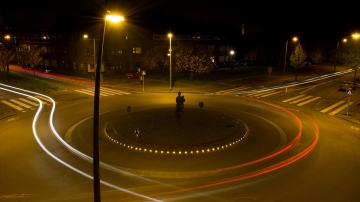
column 329, row 172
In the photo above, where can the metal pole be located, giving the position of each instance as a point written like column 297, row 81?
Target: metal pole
column 170, row 63
column 286, row 45
column 96, row 132
column 94, row 54
column 286, row 88
column 143, row 81
column 337, row 48
column 347, row 111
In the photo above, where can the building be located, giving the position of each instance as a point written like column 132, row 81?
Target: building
column 71, row 43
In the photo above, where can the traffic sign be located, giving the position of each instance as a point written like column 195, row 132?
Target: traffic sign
column 349, row 92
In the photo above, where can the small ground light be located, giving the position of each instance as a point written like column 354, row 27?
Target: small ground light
column 174, row 152
column 179, row 152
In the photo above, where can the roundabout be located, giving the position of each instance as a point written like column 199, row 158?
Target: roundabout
column 203, row 142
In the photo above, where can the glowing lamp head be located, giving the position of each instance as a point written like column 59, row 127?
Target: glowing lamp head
column 169, row 35
column 355, row 36
column 86, row 36
column 295, row 39
column 114, row 18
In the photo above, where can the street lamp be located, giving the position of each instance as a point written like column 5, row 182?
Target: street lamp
column 356, row 37
column 170, row 36
column 87, row 37
column 231, row 54
column 337, row 48
column 286, row 46
column 96, row 128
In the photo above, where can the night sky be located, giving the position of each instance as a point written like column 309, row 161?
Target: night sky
column 262, row 17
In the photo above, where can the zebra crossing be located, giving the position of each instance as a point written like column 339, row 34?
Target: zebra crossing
column 26, row 103
column 303, row 99
column 103, row 92
column 233, row 90
column 333, row 109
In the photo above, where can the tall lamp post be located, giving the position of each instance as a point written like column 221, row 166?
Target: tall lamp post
column 356, row 37
column 336, row 53
column 96, row 132
column 286, row 47
column 170, row 36
column 87, row 37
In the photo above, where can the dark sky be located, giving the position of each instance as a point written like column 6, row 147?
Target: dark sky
column 271, row 17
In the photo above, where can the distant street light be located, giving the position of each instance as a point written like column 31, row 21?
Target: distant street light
column 337, row 48
column 231, row 54
column 170, row 36
column 286, row 46
column 96, row 159
column 87, row 37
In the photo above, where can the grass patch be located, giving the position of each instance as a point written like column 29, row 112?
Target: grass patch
column 29, row 83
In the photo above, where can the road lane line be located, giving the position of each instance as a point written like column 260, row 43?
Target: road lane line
column 340, row 109
column 294, row 98
column 12, row 105
column 273, row 93
column 332, row 106
column 29, row 102
column 301, row 99
column 303, row 103
column 20, row 103
column 260, row 93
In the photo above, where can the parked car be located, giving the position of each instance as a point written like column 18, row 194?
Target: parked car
column 132, row 74
column 348, row 85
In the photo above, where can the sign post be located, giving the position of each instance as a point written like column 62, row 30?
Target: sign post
column 349, row 93
column 143, row 73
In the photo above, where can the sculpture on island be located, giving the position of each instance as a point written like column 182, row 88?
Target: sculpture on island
column 179, row 104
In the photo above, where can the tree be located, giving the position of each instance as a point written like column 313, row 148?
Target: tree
column 318, row 56
column 6, row 56
column 351, row 60
column 298, row 59
column 192, row 57
column 156, row 59
column 32, row 56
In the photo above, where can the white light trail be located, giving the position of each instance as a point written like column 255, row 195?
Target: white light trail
column 62, row 141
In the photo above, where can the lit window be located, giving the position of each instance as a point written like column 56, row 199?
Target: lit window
column 137, row 50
